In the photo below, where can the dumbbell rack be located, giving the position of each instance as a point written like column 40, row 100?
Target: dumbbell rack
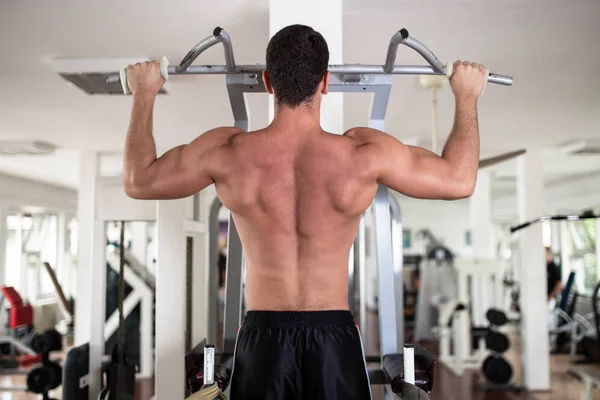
column 497, row 318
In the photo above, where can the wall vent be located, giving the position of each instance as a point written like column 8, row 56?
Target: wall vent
column 89, row 74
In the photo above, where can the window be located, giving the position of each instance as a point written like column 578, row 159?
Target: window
column 31, row 241
column 584, row 262
column 40, row 246
column 13, row 251
column 73, row 237
column 547, row 233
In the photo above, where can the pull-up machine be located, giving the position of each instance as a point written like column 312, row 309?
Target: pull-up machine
column 376, row 79
column 435, row 67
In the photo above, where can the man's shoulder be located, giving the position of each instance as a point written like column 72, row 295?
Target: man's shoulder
column 362, row 135
column 224, row 133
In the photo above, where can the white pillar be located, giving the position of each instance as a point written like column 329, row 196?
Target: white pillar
column 95, row 314
column 170, row 300
column 3, row 238
column 325, row 17
column 86, row 206
column 482, row 230
column 139, row 240
column 482, row 234
column 70, row 275
column 534, row 308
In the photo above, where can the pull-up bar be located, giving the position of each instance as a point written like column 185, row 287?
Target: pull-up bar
column 219, row 35
column 585, row 215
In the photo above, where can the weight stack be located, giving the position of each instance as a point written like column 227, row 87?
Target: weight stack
column 496, row 369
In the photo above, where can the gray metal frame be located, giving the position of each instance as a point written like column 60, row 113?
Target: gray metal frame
column 360, row 260
column 435, row 66
column 376, row 79
column 213, row 277
column 398, row 266
column 391, row 333
column 357, row 276
column 352, row 276
column 233, row 288
column 391, row 318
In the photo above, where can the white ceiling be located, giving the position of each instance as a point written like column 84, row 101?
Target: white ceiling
column 550, row 47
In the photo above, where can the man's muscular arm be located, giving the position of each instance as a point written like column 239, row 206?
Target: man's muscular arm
column 420, row 173
column 181, row 171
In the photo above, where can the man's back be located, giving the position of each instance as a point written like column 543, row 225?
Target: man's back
column 297, row 195
column 297, row 199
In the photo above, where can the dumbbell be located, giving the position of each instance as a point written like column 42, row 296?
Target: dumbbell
column 496, row 342
column 45, row 378
column 496, row 317
column 497, row 369
column 48, row 341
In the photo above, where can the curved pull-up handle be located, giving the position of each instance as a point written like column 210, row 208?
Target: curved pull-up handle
column 219, row 36
column 402, row 37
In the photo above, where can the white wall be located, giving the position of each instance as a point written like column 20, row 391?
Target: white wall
column 448, row 221
column 59, row 168
column 16, row 192
column 572, row 195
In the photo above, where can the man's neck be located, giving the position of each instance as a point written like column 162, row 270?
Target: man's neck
column 303, row 118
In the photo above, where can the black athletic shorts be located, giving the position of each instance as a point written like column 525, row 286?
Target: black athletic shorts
column 299, row 355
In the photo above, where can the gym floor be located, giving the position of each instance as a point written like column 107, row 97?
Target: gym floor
column 144, row 389
column 451, row 387
column 447, row 385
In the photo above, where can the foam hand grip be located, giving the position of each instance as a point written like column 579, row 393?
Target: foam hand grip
column 450, row 71
column 163, row 66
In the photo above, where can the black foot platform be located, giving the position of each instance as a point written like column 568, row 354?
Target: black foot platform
column 411, row 392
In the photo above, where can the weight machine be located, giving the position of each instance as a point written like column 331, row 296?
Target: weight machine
column 582, row 329
column 454, row 324
column 375, row 79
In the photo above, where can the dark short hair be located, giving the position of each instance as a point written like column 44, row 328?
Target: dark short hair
column 297, row 59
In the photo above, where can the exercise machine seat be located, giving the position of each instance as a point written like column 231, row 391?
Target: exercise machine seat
column 21, row 313
column 393, row 367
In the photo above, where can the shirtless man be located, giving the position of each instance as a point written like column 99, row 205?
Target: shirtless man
column 297, row 194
